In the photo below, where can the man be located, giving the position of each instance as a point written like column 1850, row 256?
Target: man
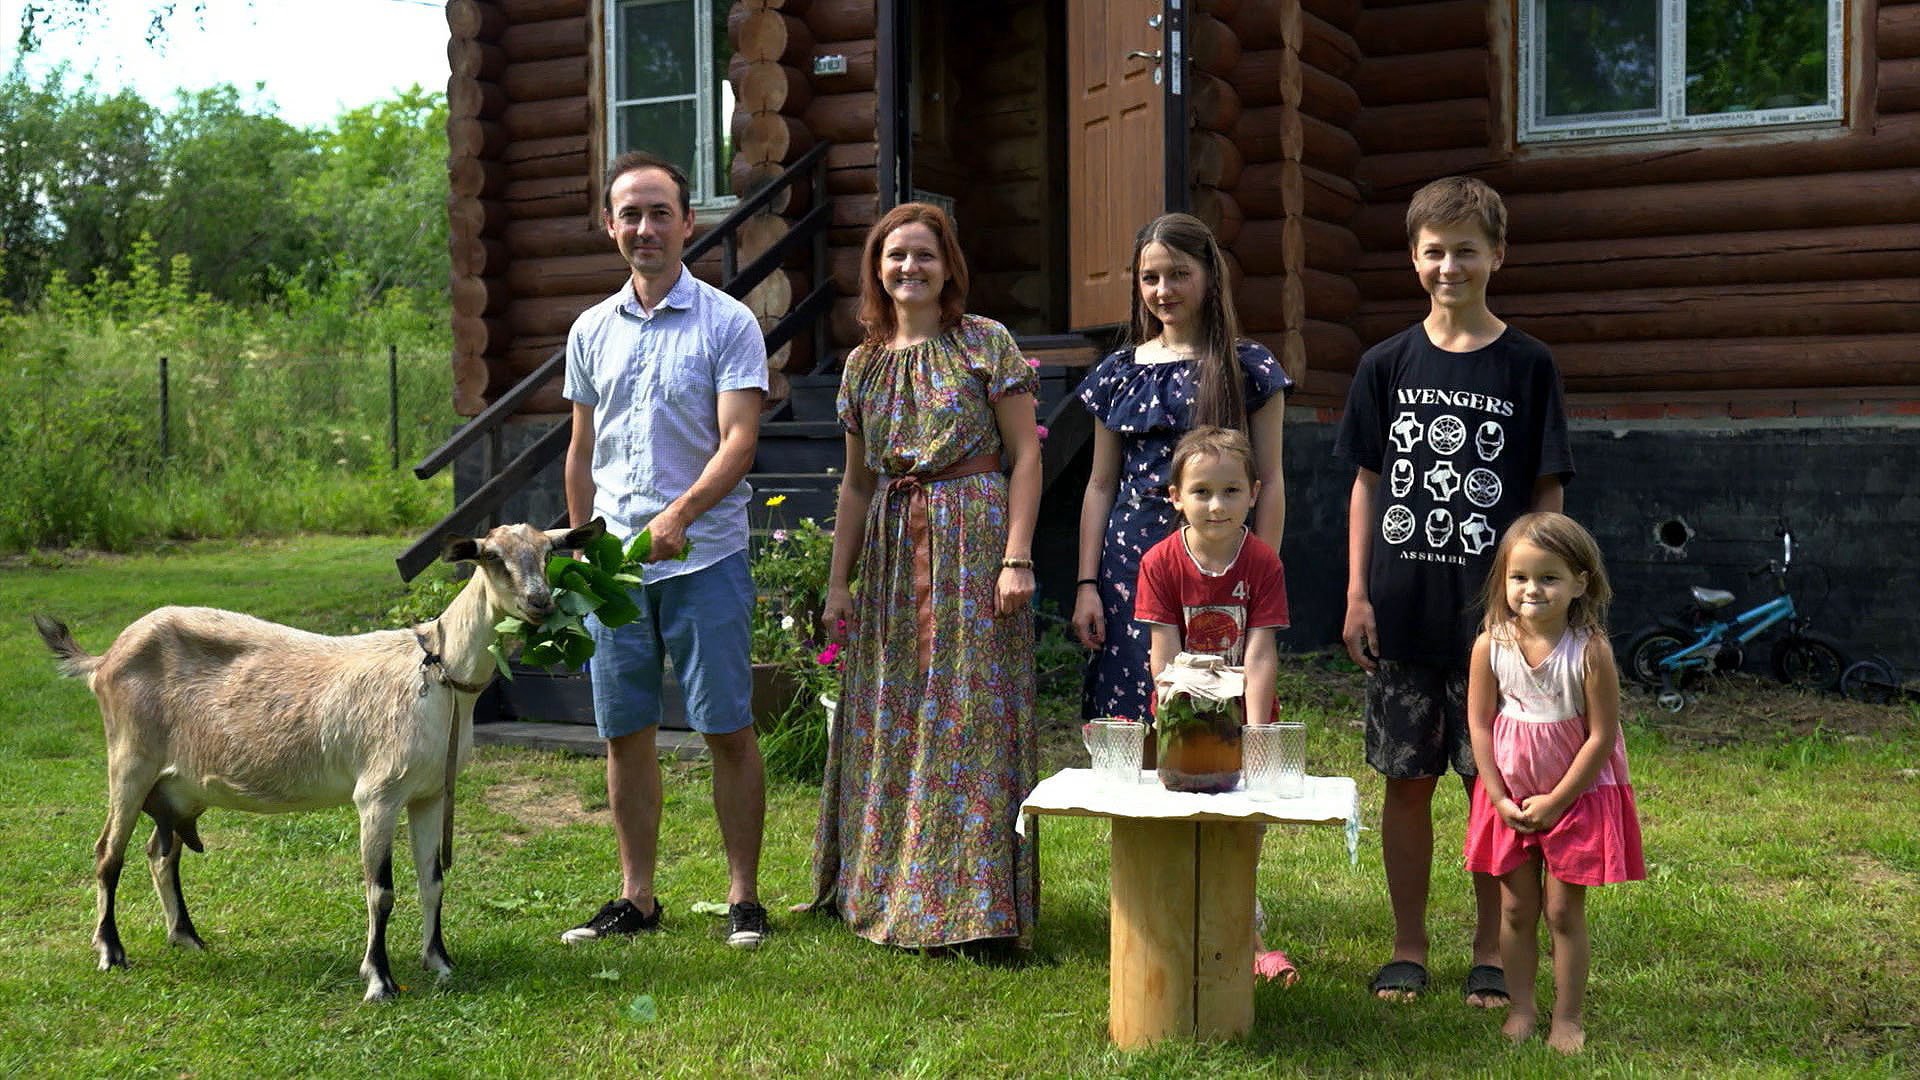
column 666, row 377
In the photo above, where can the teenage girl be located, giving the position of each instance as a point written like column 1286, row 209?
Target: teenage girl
column 1185, row 367
column 1214, row 587
column 1553, row 811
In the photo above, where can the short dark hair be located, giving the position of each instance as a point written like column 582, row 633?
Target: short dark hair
column 1454, row 200
column 634, row 161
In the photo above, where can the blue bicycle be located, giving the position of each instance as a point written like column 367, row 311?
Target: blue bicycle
column 1668, row 655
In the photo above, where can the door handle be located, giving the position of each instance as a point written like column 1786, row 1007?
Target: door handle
column 1142, row 54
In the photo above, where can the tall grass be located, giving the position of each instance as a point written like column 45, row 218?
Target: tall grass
column 277, row 416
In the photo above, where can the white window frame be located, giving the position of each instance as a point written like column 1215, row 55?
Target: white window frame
column 1673, row 118
column 701, row 176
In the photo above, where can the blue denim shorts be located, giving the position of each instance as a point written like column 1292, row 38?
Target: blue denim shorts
column 702, row 621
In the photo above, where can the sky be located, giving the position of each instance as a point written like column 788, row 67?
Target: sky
column 315, row 57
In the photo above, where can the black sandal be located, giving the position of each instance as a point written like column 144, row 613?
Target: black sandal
column 1400, row 976
column 1487, row 979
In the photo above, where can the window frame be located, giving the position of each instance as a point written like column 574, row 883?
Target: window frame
column 1673, row 118
column 701, row 176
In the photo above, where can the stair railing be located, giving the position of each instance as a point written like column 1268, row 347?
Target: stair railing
column 503, row 482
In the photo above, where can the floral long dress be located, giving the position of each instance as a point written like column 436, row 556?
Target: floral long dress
column 926, row 769
column 1149, row 406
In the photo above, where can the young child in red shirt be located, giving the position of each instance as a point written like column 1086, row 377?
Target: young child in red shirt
column 1214, row 587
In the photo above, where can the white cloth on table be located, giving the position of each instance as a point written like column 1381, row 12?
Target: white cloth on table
column 1327, row 800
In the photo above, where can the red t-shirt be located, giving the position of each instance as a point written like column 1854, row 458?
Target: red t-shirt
column 1213, row 611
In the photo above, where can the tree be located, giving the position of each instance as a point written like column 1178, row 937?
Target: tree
column 376, row 196
column 37, row 17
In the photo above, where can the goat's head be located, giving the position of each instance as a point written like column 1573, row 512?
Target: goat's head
column 511, row 561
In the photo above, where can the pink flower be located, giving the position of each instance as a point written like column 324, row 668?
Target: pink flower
column 1041, row 429
column 779, row 536
column 829, row 655
column 1032, row 363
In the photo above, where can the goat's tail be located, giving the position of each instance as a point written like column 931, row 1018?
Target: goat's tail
column 75, row 662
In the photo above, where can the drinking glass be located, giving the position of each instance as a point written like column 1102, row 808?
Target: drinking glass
column 1115, row 747
column 1275, row 759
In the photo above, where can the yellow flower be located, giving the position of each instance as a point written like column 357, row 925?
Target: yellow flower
column 776, row 500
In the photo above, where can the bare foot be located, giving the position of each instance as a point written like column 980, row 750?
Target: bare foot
column 1519, row 1026
column 1567, row 1036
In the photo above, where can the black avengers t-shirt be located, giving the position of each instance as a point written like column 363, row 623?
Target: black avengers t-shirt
column 1458, row 440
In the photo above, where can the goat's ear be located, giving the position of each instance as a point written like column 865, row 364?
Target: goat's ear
column 460, row 549
column 573, row 538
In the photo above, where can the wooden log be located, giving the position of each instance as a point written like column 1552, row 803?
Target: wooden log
column 1422, row 76
column 763, row 137
column 842, row 20
column 1007, row 117
column 1785, row 363
column 1261, row 76
column 548, row 314
column 1224, row 10
column 1009, row 292
column 1221, row 212
column 1426, row 125
column 470, row 138
column 860, row 67
column 546, row 40
column 545, row 238
column 1272, row 133
column 854, row 211
column 1015, row 158
column 1899, row 86
column 844, row 321
column 855, row 181
column 1331, row 346
column 759, row 233
column 842, row 117
column 1152, row 899
column 844, row 269
column 1887, row 196
column 540, row 80
column 1451, row 24
column 479, row 337
column 548, row 196
column 1897, row 34
column 1333, row 297
column 766, row 86
column 747, row 178
column 1327, row 98
column 1328, row 148
column 1270, row 302
column 1775, row 256
column 477, row 256
column 1213, row 160
column 473, row 178
column 477, row 217
column 1213, row 48
column 1330, row 198
column 527, row 11
column 1327, row 47
column 1271, row 189
column 772, row 297
column 1326, row 246
column 1880, row 306
column 546, row 119
column 1212, row 105
column 1270, row 246
column 1344, row 14
column 568, row 275
column 993, row 246
column 471, row 98
column 472, row 20
column 471, row 59
column 480, row 297
column 791, row 7
column 1889, row 145
column 775, row 36
column 1264, row 25
column 530, row 158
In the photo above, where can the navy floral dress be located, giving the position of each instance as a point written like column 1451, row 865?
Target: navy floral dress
column 1149, row 406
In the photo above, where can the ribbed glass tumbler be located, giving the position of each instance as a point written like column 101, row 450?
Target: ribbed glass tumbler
column 1275, row 759
column 1115, row 747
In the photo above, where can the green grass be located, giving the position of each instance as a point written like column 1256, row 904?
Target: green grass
column 1774, row 937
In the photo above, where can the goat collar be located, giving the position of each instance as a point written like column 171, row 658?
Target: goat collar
column 432, row 666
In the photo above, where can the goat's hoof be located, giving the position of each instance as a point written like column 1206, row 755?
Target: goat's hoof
column 187, row 941
column 112, row 957
column 381, row 991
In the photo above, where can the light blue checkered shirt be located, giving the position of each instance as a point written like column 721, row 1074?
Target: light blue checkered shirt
column 653, row 382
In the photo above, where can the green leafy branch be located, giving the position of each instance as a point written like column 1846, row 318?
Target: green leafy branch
column 1183, row 711
column 596, row 584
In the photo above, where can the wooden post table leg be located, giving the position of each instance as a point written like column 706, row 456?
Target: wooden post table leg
column 1182, row 938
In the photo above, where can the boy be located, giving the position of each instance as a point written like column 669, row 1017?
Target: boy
column 1462, row 415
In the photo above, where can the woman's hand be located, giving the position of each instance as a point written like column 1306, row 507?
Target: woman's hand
column 1088, row 620
column 836, row 613
column 1014, row 590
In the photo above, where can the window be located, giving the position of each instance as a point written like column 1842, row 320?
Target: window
column 1593, row 69
column 667, row 91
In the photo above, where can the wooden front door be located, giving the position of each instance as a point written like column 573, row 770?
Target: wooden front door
column 1115, row 149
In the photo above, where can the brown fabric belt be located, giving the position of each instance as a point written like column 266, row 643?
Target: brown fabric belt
column 913, row 485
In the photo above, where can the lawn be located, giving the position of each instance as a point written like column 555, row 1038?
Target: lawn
column 1784, row 893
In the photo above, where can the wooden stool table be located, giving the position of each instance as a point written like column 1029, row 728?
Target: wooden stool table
column 1181, row 943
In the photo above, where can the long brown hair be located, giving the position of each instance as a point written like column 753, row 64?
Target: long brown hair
column 1219, row 396
column 1564, row 538
column 876, row 307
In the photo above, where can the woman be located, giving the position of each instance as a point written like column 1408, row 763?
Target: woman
column 1186, row 367
column 934, row 749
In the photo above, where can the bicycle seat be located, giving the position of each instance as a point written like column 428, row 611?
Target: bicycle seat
column 1711, row 598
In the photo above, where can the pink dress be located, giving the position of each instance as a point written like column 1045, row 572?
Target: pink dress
column 1536, row 734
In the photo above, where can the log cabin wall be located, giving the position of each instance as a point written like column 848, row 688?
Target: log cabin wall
column 1725, row 269
column 843, row 113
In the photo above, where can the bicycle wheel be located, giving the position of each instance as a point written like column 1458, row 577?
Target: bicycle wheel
column 1809, row 662
column 1648, row 646
column 1872, row 680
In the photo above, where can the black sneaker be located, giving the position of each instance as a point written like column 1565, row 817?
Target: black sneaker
column 616, row 918
column 746, row 925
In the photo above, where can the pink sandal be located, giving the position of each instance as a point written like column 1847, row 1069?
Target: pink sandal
column 1275, row 965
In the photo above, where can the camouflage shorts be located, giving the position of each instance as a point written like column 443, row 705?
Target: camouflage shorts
column 1417, row 721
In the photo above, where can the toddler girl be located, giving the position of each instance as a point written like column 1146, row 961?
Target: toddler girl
column 1543, row 707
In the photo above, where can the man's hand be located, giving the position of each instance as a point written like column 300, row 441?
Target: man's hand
column 669, row 536
column 1362, row 639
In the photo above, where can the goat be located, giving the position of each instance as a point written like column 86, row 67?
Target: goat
column 205, row 708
